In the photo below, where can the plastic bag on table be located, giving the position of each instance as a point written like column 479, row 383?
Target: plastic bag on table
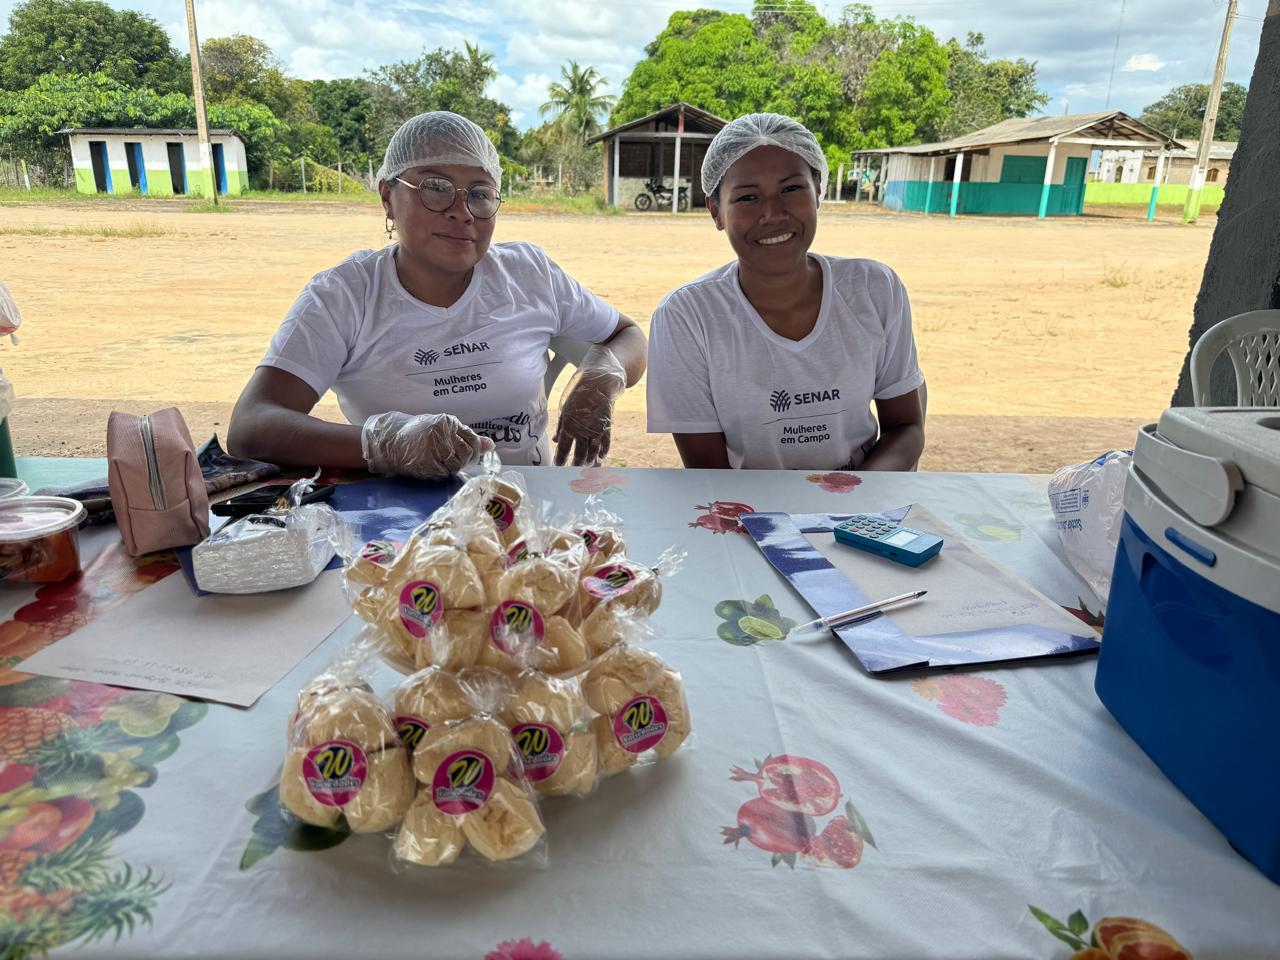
column 642, row 714
column 1088, row 507
column 621, row 586
column 6, row 396
column 500, row 491
column 10, row 318
column 471, row 792
column 601, row 531
column 285, row 546
column 343, row 757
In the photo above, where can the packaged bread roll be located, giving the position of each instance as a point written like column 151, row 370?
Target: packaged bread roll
column 643, row 711
column 507, row 825
column 369, row 567
column 548, row 721
column 427, row 836
column 382, row 800
column 424, row 702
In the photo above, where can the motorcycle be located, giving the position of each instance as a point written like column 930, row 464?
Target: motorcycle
column 655, row 191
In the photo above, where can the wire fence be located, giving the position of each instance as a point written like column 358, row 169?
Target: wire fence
column 21, row 174
column 305, row 175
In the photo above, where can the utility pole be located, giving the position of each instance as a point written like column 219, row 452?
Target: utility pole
column 197, row 94
column 1191, row 211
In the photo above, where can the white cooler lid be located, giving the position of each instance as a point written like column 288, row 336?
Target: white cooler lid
column 1249, row 437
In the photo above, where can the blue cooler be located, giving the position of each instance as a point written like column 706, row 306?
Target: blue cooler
column 1190, row 659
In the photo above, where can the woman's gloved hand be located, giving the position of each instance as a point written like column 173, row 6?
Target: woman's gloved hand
column 428, row 445
column 586, row 409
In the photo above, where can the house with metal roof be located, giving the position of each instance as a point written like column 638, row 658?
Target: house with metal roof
column 156, row 162
column 665, row 147
column 1032, row 166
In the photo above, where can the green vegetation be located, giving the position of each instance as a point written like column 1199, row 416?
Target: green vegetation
column 1180, row 112
column 132, row 231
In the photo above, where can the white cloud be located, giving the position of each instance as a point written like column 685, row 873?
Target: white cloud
column 524, row 96
column 1141, row 62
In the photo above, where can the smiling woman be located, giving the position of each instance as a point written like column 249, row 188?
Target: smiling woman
column 773, row 361
column 436, row 345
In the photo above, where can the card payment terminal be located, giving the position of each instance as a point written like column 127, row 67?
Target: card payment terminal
column 889, row 539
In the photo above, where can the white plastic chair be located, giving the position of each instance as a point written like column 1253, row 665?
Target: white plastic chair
column 1252, row 340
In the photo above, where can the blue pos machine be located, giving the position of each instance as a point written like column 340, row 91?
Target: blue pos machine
column 888, row 538
column 1190, row 658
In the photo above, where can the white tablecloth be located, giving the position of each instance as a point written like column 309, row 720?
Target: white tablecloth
column 987, row 792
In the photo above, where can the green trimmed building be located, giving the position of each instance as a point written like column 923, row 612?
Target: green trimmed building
column 1031, row 166
column 158, row 163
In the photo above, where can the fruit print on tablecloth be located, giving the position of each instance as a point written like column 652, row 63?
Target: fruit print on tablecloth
column 989, row 527
column 967, row 698
column 835, row 482
column 748, row 622
column 794, row 791
column 1113, row 938
column 722, row 516
column 524, row 949
column 598, row 480
column 72, row 757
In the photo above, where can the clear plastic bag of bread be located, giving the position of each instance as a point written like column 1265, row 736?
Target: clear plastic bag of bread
column 619, row 591
column 601, row 532
column 501, row 493
column 550, row 723
column 641, row 712
column 471, row 792
column 343, row 758
column 528, row 602
column 431, row 581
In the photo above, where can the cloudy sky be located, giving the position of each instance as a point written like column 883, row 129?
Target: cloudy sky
column 1162, row 43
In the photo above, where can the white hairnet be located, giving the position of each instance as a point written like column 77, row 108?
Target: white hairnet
column 746, row 133
column 439, row 137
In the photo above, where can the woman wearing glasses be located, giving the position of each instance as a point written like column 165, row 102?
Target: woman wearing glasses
column 436, row 346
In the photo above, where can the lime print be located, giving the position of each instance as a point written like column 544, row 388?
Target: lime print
column 1113, row 938
column 747, row 622
column 793, row 792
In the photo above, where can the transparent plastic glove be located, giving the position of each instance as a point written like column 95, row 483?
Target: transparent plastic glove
column 10, row 318
column 586, row 408
column 428, row 445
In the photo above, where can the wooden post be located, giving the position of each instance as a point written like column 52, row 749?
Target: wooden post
column 955, row 184
column 340, row 176
column 271, row 174
column 617, row 171
column 302, row 165
column 1048, row 179
column 884, row 178
column 675, row 181
column 197, row 94
column 26, row 176
column 372, row 184
column 928, row 191
column 840, row 182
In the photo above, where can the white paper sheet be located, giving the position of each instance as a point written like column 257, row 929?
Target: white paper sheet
column 967, row 591
column 226, row 648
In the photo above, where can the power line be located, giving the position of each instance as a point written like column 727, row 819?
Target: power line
column 1115, row 55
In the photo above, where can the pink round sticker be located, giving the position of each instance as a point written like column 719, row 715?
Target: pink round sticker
column 335, row 772
column 420, row 607
column 640, row 725
column 381, row 552
column 610, row 581
column 591, row 539
column 515, row 620
column 462, row 782
column 519, row 551
column 502, row 510
column 411, row 730
column 541, row 749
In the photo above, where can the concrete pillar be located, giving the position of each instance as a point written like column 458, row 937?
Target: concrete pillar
column 1243, row 271
column 955, row 184
column 1048, row 179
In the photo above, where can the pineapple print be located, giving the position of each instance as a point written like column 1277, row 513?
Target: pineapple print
column 24, row 729
column 12, row 865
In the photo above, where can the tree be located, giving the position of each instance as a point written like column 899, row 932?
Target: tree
column 440, row 80
column 550, row 148
column 709, row 59
column 345, row 106
column 85, row 37
column 577, row 102
column 242, row 69
column 1180, row 112
column 984, row 91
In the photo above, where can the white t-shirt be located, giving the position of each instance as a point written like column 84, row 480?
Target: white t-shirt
column 356, row 329
column 716, row 367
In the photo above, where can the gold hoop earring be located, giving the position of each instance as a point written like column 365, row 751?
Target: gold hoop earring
column 391, row 225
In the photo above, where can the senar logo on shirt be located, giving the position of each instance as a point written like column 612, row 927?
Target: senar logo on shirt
column 781, row 401
column 459, row 349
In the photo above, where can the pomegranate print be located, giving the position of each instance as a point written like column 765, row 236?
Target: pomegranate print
column 794, row 783
column 835, row 482
column 839, row 845
column 793, row 791
column 1113, row 938
column 771, row 829
column 722, row 516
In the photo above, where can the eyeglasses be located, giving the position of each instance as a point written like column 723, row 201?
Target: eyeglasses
column 438, row 195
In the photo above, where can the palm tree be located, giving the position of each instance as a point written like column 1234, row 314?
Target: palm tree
column 576, row 103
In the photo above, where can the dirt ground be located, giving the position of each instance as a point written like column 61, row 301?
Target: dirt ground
column 1044, row 342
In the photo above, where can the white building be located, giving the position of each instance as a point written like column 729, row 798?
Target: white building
column 155, row 162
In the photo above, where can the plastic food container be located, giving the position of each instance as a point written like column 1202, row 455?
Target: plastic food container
column 39, row 539
column 12, row 487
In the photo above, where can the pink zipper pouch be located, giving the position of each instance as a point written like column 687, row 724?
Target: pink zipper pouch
column 157, row 491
